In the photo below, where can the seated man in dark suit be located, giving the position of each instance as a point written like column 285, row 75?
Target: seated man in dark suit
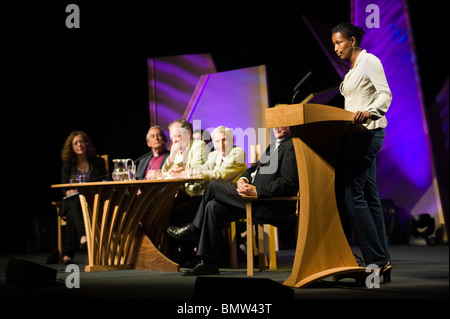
column 148, row 165
column 275, row 174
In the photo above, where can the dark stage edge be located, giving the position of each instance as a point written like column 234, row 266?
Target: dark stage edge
column 420, row 272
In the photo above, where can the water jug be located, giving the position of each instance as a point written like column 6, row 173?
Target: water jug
column 122, row 171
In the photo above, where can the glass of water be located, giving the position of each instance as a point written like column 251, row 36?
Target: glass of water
column 74, row 179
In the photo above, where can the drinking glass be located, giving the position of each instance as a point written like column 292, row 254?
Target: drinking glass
column 196, row 173
column 74, row 179
column 132, row 172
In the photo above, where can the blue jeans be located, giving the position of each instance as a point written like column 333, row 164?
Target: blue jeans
column 362, row 197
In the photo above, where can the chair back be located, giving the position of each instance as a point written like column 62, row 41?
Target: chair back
column 106, row 159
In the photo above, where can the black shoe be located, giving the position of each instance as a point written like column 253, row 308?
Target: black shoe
column 183, row 233
column 202, row 268
column 54, row 257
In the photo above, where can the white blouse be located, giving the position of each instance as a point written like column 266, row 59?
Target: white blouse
column 365, row 89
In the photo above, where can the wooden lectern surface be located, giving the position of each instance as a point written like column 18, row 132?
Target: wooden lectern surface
column 300, row 114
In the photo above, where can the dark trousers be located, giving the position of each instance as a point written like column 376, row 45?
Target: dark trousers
column 221, row 203
column 74, row 229
column 183, row 212
column 362, row 197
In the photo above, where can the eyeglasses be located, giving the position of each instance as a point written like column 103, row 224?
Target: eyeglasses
column 75, row 143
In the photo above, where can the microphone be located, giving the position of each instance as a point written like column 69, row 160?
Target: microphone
column 297, row 87
column 101, row 178
column 141, row 157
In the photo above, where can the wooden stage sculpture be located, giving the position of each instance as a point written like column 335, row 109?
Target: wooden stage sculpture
column 119, row 233
column 322, row 248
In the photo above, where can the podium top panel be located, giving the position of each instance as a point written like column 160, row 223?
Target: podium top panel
column 304, row 113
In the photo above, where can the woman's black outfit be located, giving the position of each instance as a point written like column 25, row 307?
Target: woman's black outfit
column 70, row 206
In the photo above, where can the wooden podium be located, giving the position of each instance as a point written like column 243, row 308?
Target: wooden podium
column 322, row 248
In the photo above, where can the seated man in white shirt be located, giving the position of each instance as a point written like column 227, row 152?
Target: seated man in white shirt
column 227, row 161
column 185, row 152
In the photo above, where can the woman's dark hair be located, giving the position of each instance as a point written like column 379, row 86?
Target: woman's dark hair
column 349, row 30
column 67, row 153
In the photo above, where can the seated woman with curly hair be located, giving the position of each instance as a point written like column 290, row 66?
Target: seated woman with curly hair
column 78, row 160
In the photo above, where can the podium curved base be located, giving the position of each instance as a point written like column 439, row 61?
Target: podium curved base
column 357, row 273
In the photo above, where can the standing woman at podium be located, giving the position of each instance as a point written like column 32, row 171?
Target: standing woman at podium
column 367, row 94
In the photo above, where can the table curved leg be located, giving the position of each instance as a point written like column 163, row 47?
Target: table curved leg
column 112, row 219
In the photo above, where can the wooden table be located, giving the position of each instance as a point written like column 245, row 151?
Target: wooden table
column 126, row 223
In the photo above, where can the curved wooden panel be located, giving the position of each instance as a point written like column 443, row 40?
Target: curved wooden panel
column 113, row 213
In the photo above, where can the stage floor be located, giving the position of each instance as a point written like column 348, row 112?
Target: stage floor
column 419, row 272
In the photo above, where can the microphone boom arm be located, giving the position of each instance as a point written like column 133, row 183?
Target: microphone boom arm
column 299, row 84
